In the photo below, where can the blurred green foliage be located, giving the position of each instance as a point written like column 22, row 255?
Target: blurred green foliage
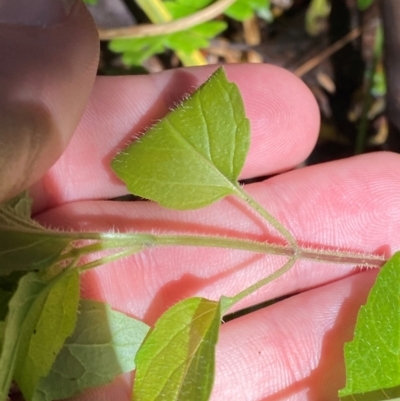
column 364, row 4
column 136, row 51
column 90, row 2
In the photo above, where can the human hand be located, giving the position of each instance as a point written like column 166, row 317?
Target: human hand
column 292, row 350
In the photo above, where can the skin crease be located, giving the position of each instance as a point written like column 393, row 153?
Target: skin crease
column 290, row 351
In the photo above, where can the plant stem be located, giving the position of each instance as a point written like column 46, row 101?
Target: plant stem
column 146, row 30
column 135, row 242
column 228, row 302
column 142, row 241
column 158, row 13
column 271, row 249
column 267, row 216
column 106, row 259
column 99, row 246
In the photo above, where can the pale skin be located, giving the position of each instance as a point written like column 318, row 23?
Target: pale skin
column 292, row 350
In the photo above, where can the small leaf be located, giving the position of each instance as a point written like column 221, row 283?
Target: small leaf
column 210, row 29
column 50, row 321
column 179, row 10
column 194, row 155
column 27, row 251
column 316, row 15
column 240, row 10
column 183, row 8
column 373, row 357
column 21, row 205
column 196, row 37
column 103, row 345
column 176, row 361
column 259, row 4
column 24, row 244
column 28, row 290
column 197, row 4
column 186, row 41
column 364, row 4
column 136, row 50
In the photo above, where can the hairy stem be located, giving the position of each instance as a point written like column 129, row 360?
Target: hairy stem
column 129, row 241
column 317, row 255
column 146, row 30
column 106, row 259
column 266, row 216
column 228, row 302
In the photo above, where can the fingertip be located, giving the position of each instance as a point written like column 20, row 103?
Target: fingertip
column 284, row 117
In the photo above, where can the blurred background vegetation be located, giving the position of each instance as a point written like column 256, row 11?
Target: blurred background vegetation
column 346, row 51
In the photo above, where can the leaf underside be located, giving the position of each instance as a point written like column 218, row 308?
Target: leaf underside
column 103, row 345
column 373, row 357
column 194, row 155
column 24, row 244
column 28, row 289
column 50, row 321
column 176, row 361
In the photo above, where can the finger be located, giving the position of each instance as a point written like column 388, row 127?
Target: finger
column 50, row 52
column 292, row 350
column 351, row 204
column 283, row 114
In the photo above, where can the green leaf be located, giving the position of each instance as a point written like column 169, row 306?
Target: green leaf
column 21, row 250
column 50, row 321
column 197, row 4
column 373, row 357
column 194, row 155
column 186, row 41
column 176, row 361
column 210, row 29
column 241, row 10
column 364, row 4
column 21, row 205
column 24, row 244
column 28, row 290
column 195, row 38
column 135, row 51
column 317, row 12
column 179, row 10
column 259, row 4
column 103, row 345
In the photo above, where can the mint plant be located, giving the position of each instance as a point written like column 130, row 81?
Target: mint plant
column 55, row 344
